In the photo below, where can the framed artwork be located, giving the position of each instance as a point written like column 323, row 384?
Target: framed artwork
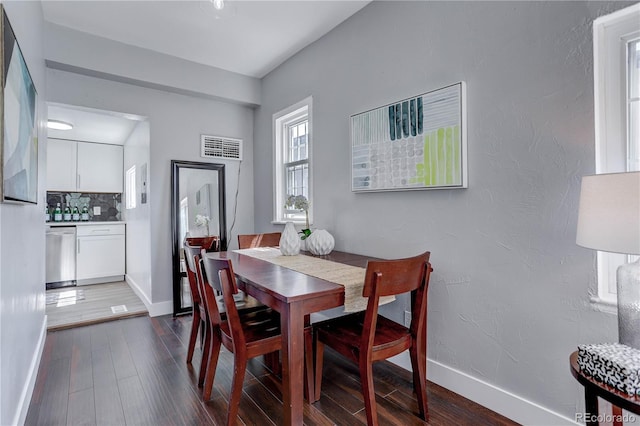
column 416, row 143
column 19, row 134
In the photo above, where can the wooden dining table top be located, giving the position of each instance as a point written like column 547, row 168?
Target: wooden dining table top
column 285, row 284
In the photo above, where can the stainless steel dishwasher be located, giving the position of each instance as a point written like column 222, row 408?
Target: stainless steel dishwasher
column 61, row 256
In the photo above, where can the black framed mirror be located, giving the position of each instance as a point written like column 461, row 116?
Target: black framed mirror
column 197, row 190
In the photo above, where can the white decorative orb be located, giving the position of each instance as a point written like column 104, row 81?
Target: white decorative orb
column 289, row 240
column 320, row 242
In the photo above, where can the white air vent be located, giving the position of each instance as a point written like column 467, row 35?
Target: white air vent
column 220, row 147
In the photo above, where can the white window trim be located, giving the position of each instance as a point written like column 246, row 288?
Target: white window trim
column 130, row 190
column 611, row 120
column 280, row 118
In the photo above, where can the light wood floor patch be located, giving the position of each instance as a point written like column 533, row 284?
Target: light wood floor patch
column 100, row 302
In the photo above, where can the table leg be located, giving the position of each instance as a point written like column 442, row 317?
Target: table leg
column 292, row 324
column 591, row 407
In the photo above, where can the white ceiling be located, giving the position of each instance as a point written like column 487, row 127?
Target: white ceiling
column 91, row 125
column 247, row 37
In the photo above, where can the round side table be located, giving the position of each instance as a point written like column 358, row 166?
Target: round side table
column 594, row 389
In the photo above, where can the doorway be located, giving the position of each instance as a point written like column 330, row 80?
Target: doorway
column 115, row 292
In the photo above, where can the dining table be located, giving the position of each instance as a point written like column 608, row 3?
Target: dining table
column 295, row 295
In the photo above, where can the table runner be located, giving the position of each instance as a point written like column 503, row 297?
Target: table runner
column 350, row 277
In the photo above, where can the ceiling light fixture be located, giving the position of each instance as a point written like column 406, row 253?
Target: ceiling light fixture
column 218, row 4
column 59, row 125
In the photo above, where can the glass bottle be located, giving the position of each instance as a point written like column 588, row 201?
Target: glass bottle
column 57, row 213
column 85, row 213
column 67, row 213
column 75, row 215
column 47, row 214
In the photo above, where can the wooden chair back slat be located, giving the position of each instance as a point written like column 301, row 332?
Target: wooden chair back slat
column 259, row 240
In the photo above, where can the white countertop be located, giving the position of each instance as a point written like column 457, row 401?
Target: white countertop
column 121, row 222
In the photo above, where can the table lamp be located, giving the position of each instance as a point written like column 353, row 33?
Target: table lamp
column 609, row 220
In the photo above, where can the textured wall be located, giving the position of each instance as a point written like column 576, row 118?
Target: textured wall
column 22, row 308
column 509, row 298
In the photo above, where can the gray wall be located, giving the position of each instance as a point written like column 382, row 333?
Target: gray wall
column 71, row 50
column 22, row 318
column 138, row 236
column 176, row 123
column 509, row 298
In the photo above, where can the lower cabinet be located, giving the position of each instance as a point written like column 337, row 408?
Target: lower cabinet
column 100, row 253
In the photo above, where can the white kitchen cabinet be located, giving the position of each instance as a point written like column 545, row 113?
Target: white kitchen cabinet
column 100, row 253
column 61, row 165
column 84, row 167
column 100, row 167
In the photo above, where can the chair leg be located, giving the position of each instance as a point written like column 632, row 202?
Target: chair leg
column 319, row 359
column 205, row 355
column 239, row 369
column 419, row 367
column 195, row 324
column 212, row 365
column 272, row 361
column 309, row 382
column 368, row 392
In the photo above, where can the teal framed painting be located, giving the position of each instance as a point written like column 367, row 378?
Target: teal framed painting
column 415, row 143
column 18, row 119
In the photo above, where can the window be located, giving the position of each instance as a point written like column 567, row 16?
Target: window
column 292, row 159
column 130, row 188
column 617, row 109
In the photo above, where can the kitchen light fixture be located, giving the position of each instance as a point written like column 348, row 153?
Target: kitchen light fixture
column 59, row 125
column 609, row 220
column 218, row 4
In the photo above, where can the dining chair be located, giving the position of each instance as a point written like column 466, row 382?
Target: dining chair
column 209, row 243
column 211, row 310
column 198, row 322
column 273, row 360
column 272, row 239
column 244, row 338
column 259, row 240
column 367, row 337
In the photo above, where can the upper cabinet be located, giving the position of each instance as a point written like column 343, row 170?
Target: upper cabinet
column 61, row 165
column 100, row 167
column 84, row 167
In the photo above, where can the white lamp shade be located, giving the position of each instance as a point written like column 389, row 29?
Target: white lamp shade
column 609, row 213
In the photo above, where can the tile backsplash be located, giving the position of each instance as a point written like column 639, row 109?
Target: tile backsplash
column 110, row 204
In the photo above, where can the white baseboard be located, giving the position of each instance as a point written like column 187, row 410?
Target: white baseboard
column 155, row 309
column 27, row 392
column 161, row 308
column 499, row 400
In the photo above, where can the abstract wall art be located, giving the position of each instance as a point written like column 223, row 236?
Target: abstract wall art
column 416, row 143
column 18, row 121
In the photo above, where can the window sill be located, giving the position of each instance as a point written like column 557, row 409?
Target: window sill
column 295, row 222
column 603, row 305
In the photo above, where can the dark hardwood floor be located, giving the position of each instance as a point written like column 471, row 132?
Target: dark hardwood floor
column 133, row 372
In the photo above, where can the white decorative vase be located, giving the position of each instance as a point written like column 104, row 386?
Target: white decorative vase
column 320, row 242
column 289, row 240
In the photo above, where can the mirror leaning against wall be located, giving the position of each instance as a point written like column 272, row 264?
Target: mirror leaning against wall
column 197, row 210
